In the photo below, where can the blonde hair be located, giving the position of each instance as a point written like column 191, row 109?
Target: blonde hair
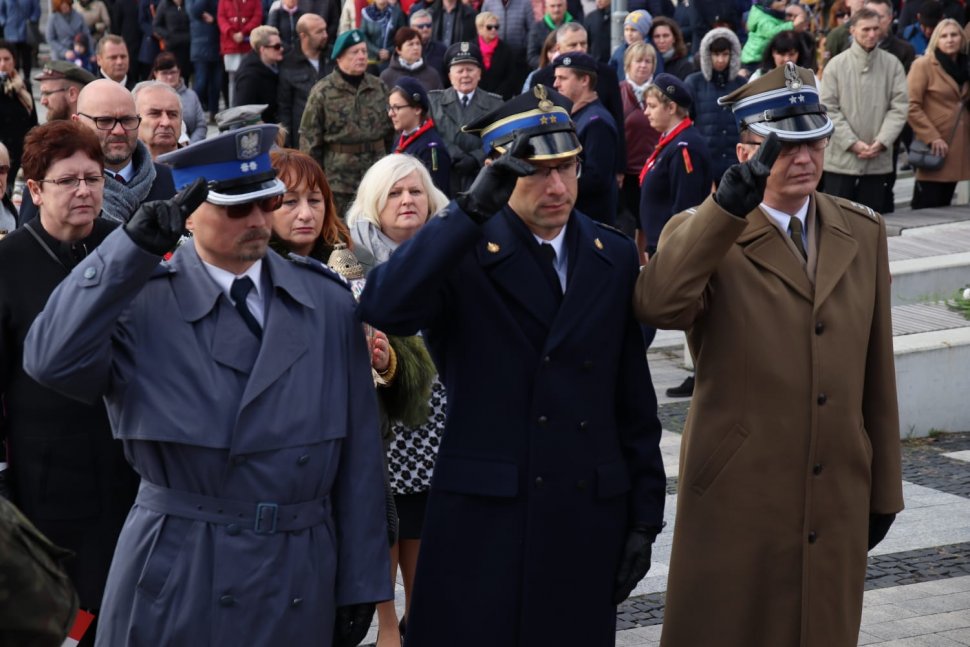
column 935, row 36
column 484, row 17
column 259, row 37
column 376, row 184
column 638, row 52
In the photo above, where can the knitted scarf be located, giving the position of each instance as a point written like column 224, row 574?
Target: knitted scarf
column 369, row 236
column 639, row 90
column 487, row 49
column 122, row 200
column 957, row 69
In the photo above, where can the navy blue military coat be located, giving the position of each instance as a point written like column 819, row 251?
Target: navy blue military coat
column 433, row 153
column 598, row 134
column 550, row 450
column 262, row 504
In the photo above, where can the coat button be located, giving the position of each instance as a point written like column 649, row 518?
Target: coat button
column 812, row 537
column 539, row 482
column 303, row 460
column 822, row 398
column 588, row 365
column 546, row 360
column 583, row 425
column 542, row 421
column 581, row 485
column 233, row 529
column 295, row 602
column 227, row 600
column 819, row 327
column 238, row 460
column 90, row 273
column 817, row 469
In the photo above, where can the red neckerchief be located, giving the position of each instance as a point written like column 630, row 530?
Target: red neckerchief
column 666, row 139
column 407, row 141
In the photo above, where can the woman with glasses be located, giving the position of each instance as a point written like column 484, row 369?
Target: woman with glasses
column 171, row 27
column 167, row 70
column 408, row 61
column 17, row 111
column 502, row 75
column 408, row 106
column 256, row 80
column 67, row 473
column 395, row 199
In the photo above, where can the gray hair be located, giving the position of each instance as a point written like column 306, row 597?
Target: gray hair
column 377, row 183
column 420, row 13
column 151, row 84
column 568, row 28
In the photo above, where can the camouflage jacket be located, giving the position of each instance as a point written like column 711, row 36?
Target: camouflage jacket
column 346, row 129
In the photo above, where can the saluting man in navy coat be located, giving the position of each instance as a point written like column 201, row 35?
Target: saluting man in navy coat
column 240, row 385
column 549, row 477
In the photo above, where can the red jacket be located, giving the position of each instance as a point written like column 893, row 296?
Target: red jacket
column 237, row 16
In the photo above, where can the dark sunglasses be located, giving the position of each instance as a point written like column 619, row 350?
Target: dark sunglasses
column 277, row 46
column 491, row 27
column 841, row 14
column 236, row 211
column 424, row 25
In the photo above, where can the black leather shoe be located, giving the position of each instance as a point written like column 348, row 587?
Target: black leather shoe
column 685, row 390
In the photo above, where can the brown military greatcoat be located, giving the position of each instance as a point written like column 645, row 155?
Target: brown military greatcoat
column 793, row 436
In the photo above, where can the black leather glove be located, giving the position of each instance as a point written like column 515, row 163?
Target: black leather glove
column 742, row 186
column 466, row 164
column 351, row 624
column 157, row 225
column 634, row 563
column 495, row 182
column 878, row 527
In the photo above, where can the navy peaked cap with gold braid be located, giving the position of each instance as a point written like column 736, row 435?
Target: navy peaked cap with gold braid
column 542, row 114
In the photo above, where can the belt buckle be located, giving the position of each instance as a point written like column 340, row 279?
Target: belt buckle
column 266, row 515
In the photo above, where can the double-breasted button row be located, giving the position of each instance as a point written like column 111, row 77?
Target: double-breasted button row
column 303, row 460
column 817, row 469
column 812, row 537
column 819, row 327
column 227, row 600
column 542, row 420
column 539, row 482
column 822, row 398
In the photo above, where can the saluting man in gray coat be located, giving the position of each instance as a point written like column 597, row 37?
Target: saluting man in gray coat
column 240, row 385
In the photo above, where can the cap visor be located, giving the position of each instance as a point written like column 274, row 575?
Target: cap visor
column 798, row 128
column 247, row 193
column 550, row 146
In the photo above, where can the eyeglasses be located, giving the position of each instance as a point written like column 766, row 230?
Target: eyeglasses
column 491, row 27
column 236, row 211
column 4, row 169
column 424, row 25
column 91, row 181
column 276, row 46
column 128, row 122
column 174, row 71
column 46, row 93
column 567, row 171
column 790, row 149
column 841, row 14
column 396, row 109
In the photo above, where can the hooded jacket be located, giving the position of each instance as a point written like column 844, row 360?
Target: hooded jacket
column 716, row 123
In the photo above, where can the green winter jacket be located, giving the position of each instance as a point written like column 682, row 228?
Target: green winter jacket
column 762, row 27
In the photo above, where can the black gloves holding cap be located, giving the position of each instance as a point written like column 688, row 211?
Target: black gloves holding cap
column 634, row 562
column 351, row 624
column 494, row 184
column 157, row 226
column 742, row 186
column 878, row 527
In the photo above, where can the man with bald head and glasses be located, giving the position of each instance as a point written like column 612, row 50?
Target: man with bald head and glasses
column 549, row 474
column 239, row 384
column 790, row 470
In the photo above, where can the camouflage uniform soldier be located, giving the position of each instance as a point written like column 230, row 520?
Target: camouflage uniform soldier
column 345, row 126
column 37, row 601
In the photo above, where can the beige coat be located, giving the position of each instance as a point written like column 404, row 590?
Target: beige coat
column 793, row 436
column 933, row 100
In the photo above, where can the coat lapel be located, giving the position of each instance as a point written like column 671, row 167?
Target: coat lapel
column 836, row 247
column 763, row 244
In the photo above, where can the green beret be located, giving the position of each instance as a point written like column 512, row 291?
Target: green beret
column 345, row 41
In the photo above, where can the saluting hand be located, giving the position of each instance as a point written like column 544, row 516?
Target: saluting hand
column 742, row 187
column 494, row 184
column 157, row 226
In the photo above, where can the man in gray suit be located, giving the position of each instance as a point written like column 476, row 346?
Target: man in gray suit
column 260, row 518
column 459, row 105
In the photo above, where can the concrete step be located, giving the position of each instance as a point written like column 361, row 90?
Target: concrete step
column 929, row 263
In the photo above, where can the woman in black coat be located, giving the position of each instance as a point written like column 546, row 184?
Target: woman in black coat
column 668, row 40
column 67, row 473
column 503, row 74
column 16, row 107
column 408, row 106
column 171, row 26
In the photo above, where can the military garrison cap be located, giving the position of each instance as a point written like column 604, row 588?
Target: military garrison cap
column 239, row 116
column 784, row 101
column 674, row 89
column 463, row 52
column 540, row 113
column 345, row 41
column 235, row 164
column 576, row 61
column 56, row 70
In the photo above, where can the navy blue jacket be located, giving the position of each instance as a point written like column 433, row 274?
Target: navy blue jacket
column 715, row 123
column 204, row 41
column 431, row 150
column 599, row 136
column 678, row 180
column 550, row 446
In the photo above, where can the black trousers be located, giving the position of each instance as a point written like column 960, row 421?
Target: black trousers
column 927, row 195
column 874, row 191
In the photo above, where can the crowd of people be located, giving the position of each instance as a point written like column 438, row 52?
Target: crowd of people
column 509, row 207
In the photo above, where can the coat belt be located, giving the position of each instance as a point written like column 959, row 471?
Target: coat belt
column 264, row 518
column 356, row 149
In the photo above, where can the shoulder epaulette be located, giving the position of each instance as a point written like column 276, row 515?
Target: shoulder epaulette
column 616, row 231
column 318, row 267
column 858, row 208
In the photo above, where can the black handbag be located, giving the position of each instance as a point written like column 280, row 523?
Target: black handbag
column 921, row 155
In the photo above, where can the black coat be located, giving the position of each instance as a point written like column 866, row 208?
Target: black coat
column 505, row 76
column 598, row 33
column 431, row 150
column 67, row 473
column 131, row 80
column 297, row 76
column 124, row 23
column 14, row 124
column 464, row 28
column 257, row 83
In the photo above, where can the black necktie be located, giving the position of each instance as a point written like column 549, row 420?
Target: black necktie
column 796, row 235
column 464, row 102
column 548, row 253
column 240, row 288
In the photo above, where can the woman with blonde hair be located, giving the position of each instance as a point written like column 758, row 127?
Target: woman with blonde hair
column 501, row 75
column 395, row 199
column 939, row 89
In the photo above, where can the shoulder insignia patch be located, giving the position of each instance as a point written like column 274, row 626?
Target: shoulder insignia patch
column 607, row 228
column 319, row 268
column 858, row 208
